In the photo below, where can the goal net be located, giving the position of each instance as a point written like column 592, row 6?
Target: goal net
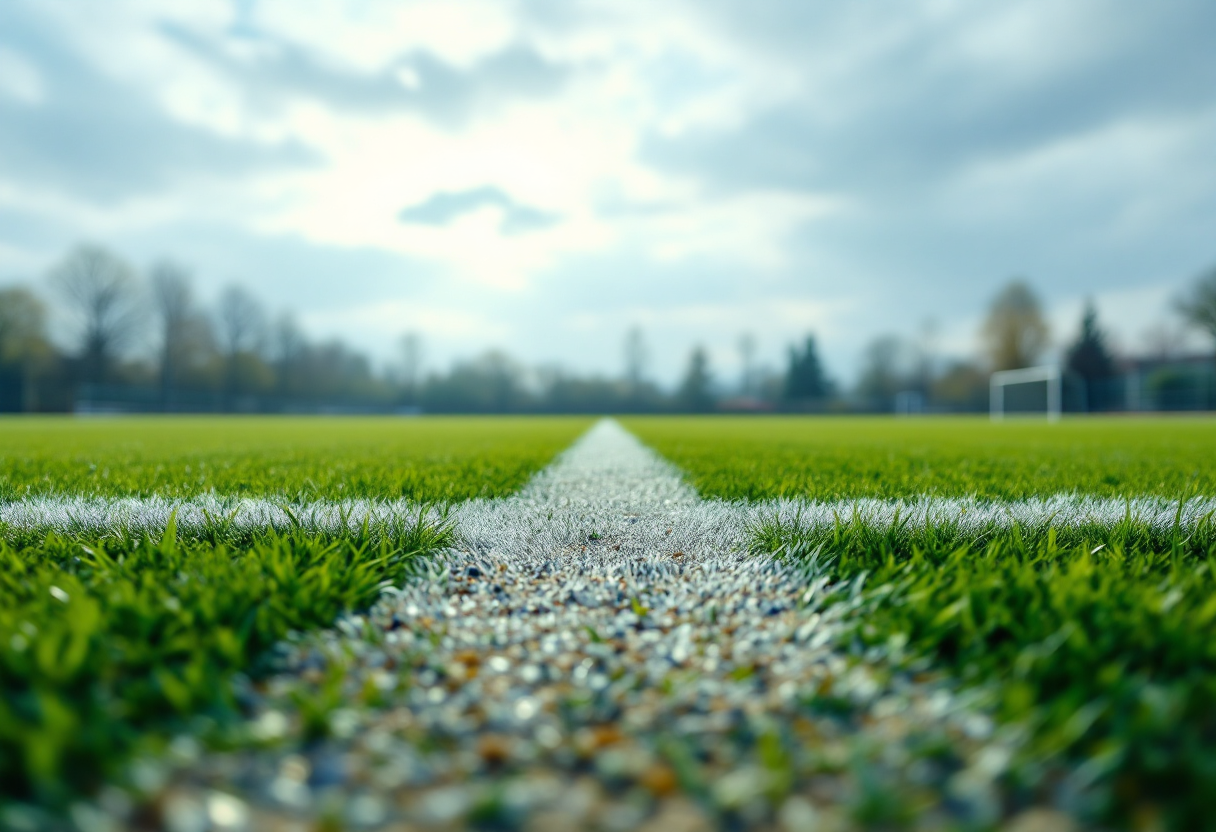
column 1030, row 391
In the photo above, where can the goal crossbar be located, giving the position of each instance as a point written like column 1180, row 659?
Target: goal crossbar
column 1049, row 373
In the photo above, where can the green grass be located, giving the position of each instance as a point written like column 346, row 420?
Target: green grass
column 443, row 458
column 1098, row 640
column 108, row 647
column 1095, row 637
column 110, row 643
column 834, row 458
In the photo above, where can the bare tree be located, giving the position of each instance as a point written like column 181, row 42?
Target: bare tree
column 242, row 324
column 636, row 358
column 926, row 355
column 503, row 376
column 1198, row 306
column 747, row 358
column 104, row 295
column 1015, row 332
column 883, row 372
column 287, row 348
column 173, row 299
column 411, row 365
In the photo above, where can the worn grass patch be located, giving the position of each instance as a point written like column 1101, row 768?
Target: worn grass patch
column 108, row 646
column 301, row 458
column 829, row 458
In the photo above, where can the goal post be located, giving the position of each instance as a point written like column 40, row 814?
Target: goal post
column 1049, row 374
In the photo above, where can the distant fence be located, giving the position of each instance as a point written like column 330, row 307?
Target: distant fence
column 1125, row 394
column 1165, row 389
column 113, row 398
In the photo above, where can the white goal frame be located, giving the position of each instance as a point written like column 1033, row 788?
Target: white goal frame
column 1049, row 373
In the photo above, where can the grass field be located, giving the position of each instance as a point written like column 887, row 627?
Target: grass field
column 834, row 458
column 453, row 458
column 109, row 646
column 111, row 642
column 1093, row 637
column 1096, row 638
column 1100, row 646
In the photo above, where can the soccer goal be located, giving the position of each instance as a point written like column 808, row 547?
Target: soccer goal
column 1030, row 390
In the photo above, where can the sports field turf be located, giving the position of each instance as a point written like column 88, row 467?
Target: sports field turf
column 110, row 641
column 1095, row 638
column 453, row 458
column 832, row 458
column 108, row 646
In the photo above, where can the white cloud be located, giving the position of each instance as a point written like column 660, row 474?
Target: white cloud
column 19, row 78
column 368, row 35
column 450, row 326
column 858, row 168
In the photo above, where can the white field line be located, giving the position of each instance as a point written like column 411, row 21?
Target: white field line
column 486, row 524
column 971, row 516
column 605, row 567
column 605, row 494
column 606, row 583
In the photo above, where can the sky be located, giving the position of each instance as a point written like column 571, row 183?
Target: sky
column 541, row 176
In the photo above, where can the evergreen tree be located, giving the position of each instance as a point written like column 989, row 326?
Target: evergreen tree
column 695, row 394
column 805, row 379
column 1090, row 358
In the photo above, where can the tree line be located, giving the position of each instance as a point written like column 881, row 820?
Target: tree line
column 1015, row 334
column 147, row 342
column 231, row 355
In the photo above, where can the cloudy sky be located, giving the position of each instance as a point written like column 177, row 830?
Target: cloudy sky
column 540, row 176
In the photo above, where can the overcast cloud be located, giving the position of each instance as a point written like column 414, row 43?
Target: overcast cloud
column 541, row 176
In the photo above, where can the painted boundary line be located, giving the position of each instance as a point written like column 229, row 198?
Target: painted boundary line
column 606, row 493
column 488, row 524
column 604, row 593
column 603, row 611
